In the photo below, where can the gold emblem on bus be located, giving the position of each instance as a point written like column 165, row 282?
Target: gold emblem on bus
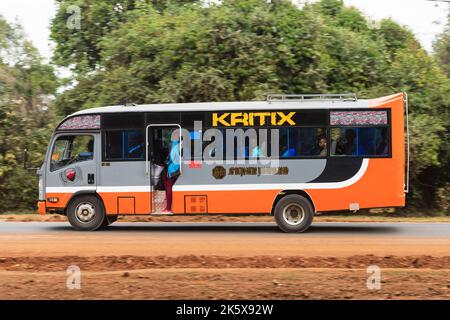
column 219, row 172
column 229, row 119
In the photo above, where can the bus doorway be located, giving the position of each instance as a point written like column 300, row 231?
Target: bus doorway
column 164, row 143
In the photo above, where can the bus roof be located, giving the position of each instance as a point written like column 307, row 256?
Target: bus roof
column 243, row 105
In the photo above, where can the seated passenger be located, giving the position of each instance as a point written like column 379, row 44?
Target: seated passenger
column 320, row 148
column 346, row 146
column 89, row 154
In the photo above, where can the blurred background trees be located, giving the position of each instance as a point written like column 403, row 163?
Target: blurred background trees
column 145, row 51
column 26, row 89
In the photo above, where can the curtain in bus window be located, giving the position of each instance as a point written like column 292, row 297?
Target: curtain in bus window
column 302, row 141
column 360, row 141
column 124, row 144
column 358, row 117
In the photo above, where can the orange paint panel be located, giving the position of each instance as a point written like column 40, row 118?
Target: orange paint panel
column 126, row 205
column 380, row 186
column 142, row 201
column 63, row 200
column 239, row 201
column 41, row 207
column 196, row 204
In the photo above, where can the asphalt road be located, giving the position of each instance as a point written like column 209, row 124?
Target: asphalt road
column 52, row 239
column 321, row 229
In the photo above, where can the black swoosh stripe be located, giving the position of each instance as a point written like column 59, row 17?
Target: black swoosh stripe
column 339, row 169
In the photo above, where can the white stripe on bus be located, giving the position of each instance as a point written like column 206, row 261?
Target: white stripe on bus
column 222, row 187
column 98, row 189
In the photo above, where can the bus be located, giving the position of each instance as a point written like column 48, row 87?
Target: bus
column 289, row 156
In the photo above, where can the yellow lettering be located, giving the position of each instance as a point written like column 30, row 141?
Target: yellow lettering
column 273, row 118
column 248, row 119
column 262, row 117
column 239, row 117
column 286, row 118
column 251, row 119
column 216, row 119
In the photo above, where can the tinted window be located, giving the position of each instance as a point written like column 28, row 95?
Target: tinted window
column 300, row 142
column 68, row 150
column 124, row 145
column 250, row 143
column 362, row 141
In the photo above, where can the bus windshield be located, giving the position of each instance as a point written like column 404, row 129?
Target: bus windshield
column 71, row 149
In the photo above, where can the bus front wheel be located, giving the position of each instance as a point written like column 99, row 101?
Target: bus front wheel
column 86, row 213
column 294, row 213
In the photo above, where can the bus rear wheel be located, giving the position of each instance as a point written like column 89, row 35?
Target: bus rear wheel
column 86, row 213
column 294, row 213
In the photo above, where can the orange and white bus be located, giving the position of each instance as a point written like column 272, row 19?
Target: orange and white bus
column 290, row 156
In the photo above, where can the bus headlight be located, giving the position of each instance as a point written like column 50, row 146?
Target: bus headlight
column 41, row 189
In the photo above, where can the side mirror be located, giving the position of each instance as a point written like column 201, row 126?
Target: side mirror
column 25, row 160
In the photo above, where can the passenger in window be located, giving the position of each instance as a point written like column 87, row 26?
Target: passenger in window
column 320, row 148
column 89, row 155
column 346, row 145
column 86, row 155
column 172, row 169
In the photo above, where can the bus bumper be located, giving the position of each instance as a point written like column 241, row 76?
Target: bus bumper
column 42, row 207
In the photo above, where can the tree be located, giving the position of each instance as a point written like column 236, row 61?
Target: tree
column 441, row 48
column 80, row 48
column 26, row 84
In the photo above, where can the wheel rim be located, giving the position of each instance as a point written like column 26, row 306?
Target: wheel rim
column 293, row 214
column 85, row 212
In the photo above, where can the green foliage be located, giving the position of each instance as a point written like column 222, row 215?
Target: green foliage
column 80, row 49
column 441, row 48
column 25, row 86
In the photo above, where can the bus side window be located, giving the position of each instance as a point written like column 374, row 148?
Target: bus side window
column 359, row 141
column 124, row 145
column 302, row 141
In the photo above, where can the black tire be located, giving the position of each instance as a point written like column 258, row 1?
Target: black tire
column 288, row 206
column 83, row 205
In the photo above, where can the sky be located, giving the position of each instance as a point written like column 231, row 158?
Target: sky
column 424, row 18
